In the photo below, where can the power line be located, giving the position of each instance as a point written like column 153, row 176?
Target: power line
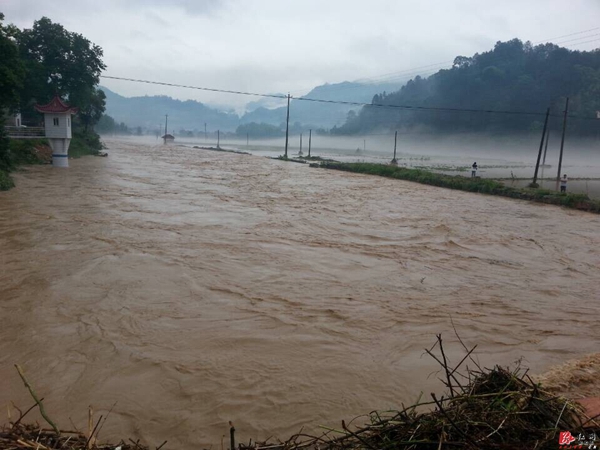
column 317, row 100
column 225, row 91
column 587, row 42
column 390, row 77
column 568, row 35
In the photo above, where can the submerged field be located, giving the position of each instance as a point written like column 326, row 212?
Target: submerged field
column 197, row 287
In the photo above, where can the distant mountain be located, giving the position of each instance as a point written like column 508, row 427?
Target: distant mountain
column 266, row 102
column 322, row 115
column 150, row 112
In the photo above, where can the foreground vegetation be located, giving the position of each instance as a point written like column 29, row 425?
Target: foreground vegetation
column 483, row 186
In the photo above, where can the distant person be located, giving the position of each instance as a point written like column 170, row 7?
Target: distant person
column 563, row 183
column 474, row 170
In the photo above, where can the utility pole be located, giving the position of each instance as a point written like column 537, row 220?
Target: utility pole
column 546, row 148
column 287, row 126
column 562, row 143
column 166, row 122
column 205, row 135
column 364, row 145
column 395, row 143
column 218, row 138
column 539, row 156
column 309, row 141
column 300, row 152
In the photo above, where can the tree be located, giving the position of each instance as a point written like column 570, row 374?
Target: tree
column 60, row 62
column 94, row 105
column 106, row 125
column 513, row 76
column 11, row 68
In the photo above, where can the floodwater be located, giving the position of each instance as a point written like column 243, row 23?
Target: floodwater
column 510, row 160
column 195, row 287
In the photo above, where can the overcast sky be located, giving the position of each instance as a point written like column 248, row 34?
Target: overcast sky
column 290, row 46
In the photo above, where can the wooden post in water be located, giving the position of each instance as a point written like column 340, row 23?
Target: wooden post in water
column 309, row 141
column 287, row 126
column 562, row 143
column 539, row 157
column 231, row 436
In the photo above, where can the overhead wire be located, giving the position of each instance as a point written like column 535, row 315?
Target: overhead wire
column 341, row 102
column 403, row 75
column 377, row 105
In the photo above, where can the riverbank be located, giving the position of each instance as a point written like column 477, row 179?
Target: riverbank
column 22, row 152
column 483, row 186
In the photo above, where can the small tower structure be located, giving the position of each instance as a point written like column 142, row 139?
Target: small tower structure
column 57, row 124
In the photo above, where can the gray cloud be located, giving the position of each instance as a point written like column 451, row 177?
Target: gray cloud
column 281, row 46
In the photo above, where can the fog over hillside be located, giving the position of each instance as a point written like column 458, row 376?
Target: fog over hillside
column 149, row 111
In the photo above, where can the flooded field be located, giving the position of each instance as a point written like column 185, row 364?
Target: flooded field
column 194, row 287
column 509, row 160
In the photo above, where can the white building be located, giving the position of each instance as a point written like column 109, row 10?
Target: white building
column 57, row 123
column 13, row 120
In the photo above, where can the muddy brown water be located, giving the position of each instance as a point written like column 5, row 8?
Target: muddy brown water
column 194, row 287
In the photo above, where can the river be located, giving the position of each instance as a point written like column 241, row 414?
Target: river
column 195, row 287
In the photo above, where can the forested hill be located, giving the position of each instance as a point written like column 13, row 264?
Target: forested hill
column 514, row 76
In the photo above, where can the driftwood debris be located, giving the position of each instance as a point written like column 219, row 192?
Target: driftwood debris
column 494, row 409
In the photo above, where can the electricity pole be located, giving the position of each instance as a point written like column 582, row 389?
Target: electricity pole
column 562, row 143
column 545, row 150
column 309, row 141
column 166, row 122
column 287, row 126
column 395, row 143
column 300, row 152
column 537, row 163
column 205, row 135
column 218, row 138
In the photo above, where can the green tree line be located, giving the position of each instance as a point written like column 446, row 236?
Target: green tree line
column 43, row 61
column 513, row 76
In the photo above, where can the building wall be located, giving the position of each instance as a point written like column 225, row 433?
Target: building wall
column 12, row 120
column 62, row 130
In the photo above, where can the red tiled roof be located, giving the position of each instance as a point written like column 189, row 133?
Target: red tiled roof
column 56, row 105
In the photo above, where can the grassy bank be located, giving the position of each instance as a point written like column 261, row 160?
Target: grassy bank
column 84, row 144
column 21, row 152
column 483, row 186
